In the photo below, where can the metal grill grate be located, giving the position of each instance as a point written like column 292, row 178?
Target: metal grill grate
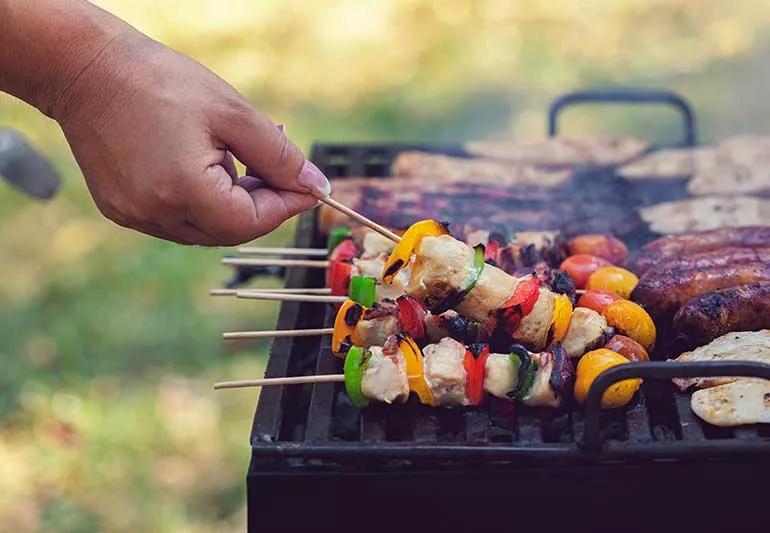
column 315, row 427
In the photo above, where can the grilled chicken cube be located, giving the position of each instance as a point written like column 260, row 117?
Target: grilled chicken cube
column 541, row 394
column 374, row 245
column 373, row 268
column 375, row 331
column 499, row 377
column 444, row 371
column 586, row 329
column 385, row 378
column 746, row 401
column 442, row 266
column 492, row 288
column 533, row 330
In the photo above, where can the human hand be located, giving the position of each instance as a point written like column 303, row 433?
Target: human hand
column 154, row 133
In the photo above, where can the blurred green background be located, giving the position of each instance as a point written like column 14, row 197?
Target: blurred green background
column 108, row 340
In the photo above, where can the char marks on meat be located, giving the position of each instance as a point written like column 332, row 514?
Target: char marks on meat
column 381, row 308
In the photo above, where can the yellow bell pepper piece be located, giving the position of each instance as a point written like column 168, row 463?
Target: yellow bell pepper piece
column 562, row 316
column 415, row 371
column 345, row 323
column 409, row 242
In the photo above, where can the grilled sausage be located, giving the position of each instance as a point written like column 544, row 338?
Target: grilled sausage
column 672, row 246
column 711, row 315
column 665, row 292
column 730, row 256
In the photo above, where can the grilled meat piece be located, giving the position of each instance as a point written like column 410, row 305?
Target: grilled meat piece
column 448, row 168
column 385, row 378
column 586, row 331
column 711, row 315
column 675, row 246
column 746, row 401
column 705, row 213
column 533, row 329
column 561, row 151
column 444, row 371
column 499, row 375
column 663, row 293
column 737, row 346
column 722, row 257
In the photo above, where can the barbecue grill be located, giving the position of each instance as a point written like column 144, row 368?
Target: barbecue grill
column 318, row 462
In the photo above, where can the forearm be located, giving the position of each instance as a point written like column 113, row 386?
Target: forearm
column 47, row 46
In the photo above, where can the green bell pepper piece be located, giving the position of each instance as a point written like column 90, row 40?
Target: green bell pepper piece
column 355, row 366
column 336, row 236
column 362, row 290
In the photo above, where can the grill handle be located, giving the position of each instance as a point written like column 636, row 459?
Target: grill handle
column 658, row 370
column 627, row 96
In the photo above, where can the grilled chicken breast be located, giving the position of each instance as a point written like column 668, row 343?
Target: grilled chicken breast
column 499, row 379
column 492, row 288
column 737, row 346
column 746, row 401
column 541, row 393
column 442, row 265
column 444, row 371
column 373, row 267
column 533, row 330
column 375, row 331
column 385, row 378
column 585, row 330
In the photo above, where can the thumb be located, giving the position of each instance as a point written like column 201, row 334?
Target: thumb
column 268, row 153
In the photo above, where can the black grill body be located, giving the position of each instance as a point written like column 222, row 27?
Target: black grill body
column 320, row 464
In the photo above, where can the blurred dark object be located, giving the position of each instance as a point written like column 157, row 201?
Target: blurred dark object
column 25, row 168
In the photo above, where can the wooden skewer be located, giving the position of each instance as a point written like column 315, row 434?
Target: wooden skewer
column 283, row 297
column 247, row 261
column 296, row 380
column 358, row 217
column 311, row 252
column 281, row 290
column 277, row 333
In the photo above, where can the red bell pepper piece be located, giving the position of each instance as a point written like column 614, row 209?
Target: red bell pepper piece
column 344, row 252
column 475, row 370
column 491, row 251
column 519, row 305
column 411, row 314
column 339, row 274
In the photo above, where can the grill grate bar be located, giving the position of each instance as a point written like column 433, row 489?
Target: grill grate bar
column 269, row 413
column 690, row 425
column 322, row 399
column 638, row 421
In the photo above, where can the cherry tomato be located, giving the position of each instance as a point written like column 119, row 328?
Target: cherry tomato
column 604, row 246
column 628, row 348
column 632, row 320
column 597, row 299
column 594, row 363
column 615, row 279
column 579, row 267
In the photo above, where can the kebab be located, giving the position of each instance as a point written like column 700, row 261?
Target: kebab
column 363, row 252
column 451, row 374
column 447, row 373
column 447, row 274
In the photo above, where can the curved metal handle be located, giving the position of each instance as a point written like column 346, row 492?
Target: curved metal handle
column 627, row 96
column 658, row 370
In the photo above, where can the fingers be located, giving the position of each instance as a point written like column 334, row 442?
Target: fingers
column 229, row 215
column 267, row 152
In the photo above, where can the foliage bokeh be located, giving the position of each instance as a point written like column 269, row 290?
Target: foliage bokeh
column 108, row 340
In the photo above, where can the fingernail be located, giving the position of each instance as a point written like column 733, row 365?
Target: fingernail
column 311, row 177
